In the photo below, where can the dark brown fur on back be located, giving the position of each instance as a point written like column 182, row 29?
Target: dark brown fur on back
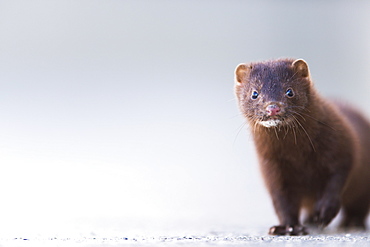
column 313, row 153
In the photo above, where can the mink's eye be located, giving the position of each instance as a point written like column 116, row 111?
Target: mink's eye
column 289, row 93
column 254, row 95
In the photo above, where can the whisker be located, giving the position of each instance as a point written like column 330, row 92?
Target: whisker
column 309, row 138
column 277, row 136
column 294, row 126
column 299, row 114
column 255, row 126
column 318, row 121
column 300, row 107
column 286, row 128
column 237, row 115
column 295, row 135
column 239, row 130
column 308, row 115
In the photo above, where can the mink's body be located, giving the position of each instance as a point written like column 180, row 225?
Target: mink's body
column 313, row 153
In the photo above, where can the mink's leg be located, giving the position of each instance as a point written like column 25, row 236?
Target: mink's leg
column 287, row 207
column 329, row 203
column 353, row 221
column 355, row 213
column 356, row 202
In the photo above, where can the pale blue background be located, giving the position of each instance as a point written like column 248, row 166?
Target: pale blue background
column 121, row 115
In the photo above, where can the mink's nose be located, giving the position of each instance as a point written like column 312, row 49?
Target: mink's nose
column 273, row 110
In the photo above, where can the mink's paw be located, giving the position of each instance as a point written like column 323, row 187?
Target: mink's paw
column 295, row 230
column 325, row 211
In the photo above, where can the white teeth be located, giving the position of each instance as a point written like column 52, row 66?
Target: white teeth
column 270, row 123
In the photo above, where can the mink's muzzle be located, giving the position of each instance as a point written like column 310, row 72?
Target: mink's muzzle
column 272, row 114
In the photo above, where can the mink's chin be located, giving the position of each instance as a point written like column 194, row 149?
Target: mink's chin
column 272, row 122
column 275, row 121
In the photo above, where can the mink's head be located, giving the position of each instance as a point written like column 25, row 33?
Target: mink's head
column 273, row 93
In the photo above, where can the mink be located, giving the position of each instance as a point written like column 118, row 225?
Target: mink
column 313, row 152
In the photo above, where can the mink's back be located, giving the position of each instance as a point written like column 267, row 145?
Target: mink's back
column 359, row 125
column 358, row 186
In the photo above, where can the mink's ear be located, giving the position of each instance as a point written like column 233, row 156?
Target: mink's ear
column 241, row 72
column 301, row 67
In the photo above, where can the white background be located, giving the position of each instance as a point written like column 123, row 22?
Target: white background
column 120, row 114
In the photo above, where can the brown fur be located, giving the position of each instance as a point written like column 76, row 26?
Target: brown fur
column 314, row 154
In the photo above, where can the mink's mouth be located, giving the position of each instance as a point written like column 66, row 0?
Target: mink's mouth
column 271, row 121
